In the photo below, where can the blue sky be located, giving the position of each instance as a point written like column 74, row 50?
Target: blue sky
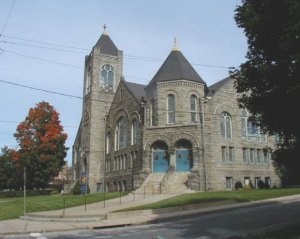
column 205, row 30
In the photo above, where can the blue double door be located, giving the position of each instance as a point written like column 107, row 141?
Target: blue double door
column 160, row 161
column 183, row 160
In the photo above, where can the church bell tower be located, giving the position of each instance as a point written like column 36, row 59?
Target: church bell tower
column 102, row 73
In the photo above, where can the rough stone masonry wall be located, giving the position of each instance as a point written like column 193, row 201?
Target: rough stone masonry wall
column 127, row 106
column 183, row 127
column 225, row 100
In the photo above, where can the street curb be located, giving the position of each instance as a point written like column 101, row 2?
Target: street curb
column 189, row 207
column 135, row 218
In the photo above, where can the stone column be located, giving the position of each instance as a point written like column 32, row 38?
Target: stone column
column 172, row 158
column 196, row 160
column 147, row 161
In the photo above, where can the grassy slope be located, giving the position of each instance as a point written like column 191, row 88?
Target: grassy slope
column 13, row 207
column 237, row 195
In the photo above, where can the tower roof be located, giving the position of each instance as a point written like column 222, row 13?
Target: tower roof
column 176, row 67
column 106, row 45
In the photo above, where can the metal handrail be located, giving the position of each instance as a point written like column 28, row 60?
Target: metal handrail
column 162, row 182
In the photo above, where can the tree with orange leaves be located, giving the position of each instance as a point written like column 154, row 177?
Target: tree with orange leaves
column 42, row 145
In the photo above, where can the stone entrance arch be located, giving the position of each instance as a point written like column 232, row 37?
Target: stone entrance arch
column 160, row 159
column 184, row 155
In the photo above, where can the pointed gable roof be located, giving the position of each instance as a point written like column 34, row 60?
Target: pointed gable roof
column 176, row 67
column 215, row 87
column 138, row 90
column 107, row 46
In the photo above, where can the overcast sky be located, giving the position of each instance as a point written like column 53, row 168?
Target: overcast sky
column 205, row 30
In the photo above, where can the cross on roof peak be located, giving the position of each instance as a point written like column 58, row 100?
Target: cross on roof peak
column 104, row 30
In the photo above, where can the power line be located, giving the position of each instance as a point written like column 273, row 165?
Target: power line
column 41, row 59
column 127, row 56
column 42, row 47
column 52, row 92
column 90, row 99
column 59, row 63
column 16, row 122
column 39, row 89
column 7, row 17
column 45, row 43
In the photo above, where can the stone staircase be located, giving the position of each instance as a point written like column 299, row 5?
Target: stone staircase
column 152, row 184
column 158, row 183
column 175, row 183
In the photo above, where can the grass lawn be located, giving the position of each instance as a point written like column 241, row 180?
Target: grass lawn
column 237, row 195
column 11, row 208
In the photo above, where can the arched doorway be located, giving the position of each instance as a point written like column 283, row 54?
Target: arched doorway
column 159, row 157
column 184, row 156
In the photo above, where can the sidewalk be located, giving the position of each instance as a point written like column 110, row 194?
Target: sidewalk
column 109, row 219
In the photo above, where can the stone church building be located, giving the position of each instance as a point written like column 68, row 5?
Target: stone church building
column 172, row 134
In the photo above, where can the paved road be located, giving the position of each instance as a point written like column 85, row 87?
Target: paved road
column 236, row 223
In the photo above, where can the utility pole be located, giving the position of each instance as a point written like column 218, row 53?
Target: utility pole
column 24, row 190
column 104, row 158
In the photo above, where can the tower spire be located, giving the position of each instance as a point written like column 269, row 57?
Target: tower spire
column 175, row 48
column 104, row 30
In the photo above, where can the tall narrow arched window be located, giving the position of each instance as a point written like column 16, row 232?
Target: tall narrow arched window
column 107, row 78
column 244, row 119
column 108, row 142
column 171, row 109
column 225, row 124
column 153, row 113
column 121, row 134
column 193, row 102
column 134, row 131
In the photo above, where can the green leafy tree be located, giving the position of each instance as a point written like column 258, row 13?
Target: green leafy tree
column 9, row 169
column 42, row 145
column 269, row 81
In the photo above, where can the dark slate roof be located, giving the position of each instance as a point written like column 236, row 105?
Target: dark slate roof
column 215, row 87
column 176, row 67
column 137, row 90
column 107, row 46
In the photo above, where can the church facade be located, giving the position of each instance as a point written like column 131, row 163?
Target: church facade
column 173, row 134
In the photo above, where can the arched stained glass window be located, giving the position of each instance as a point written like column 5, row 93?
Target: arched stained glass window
column 249, row 128
column 108, row 142
column 107, row 78
column 134, row 132
column 225, row 124
column 121, row 134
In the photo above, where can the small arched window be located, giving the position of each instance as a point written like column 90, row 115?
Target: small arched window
column 225, row 124
column 121, row 134
column 134, row 131
column 193, row 103
column 107, row 78
column 171, row 109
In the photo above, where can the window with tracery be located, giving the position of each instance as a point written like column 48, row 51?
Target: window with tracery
column 107, row 78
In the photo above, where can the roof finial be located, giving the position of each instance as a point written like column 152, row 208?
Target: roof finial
column 175, row 48
column 104, row 30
